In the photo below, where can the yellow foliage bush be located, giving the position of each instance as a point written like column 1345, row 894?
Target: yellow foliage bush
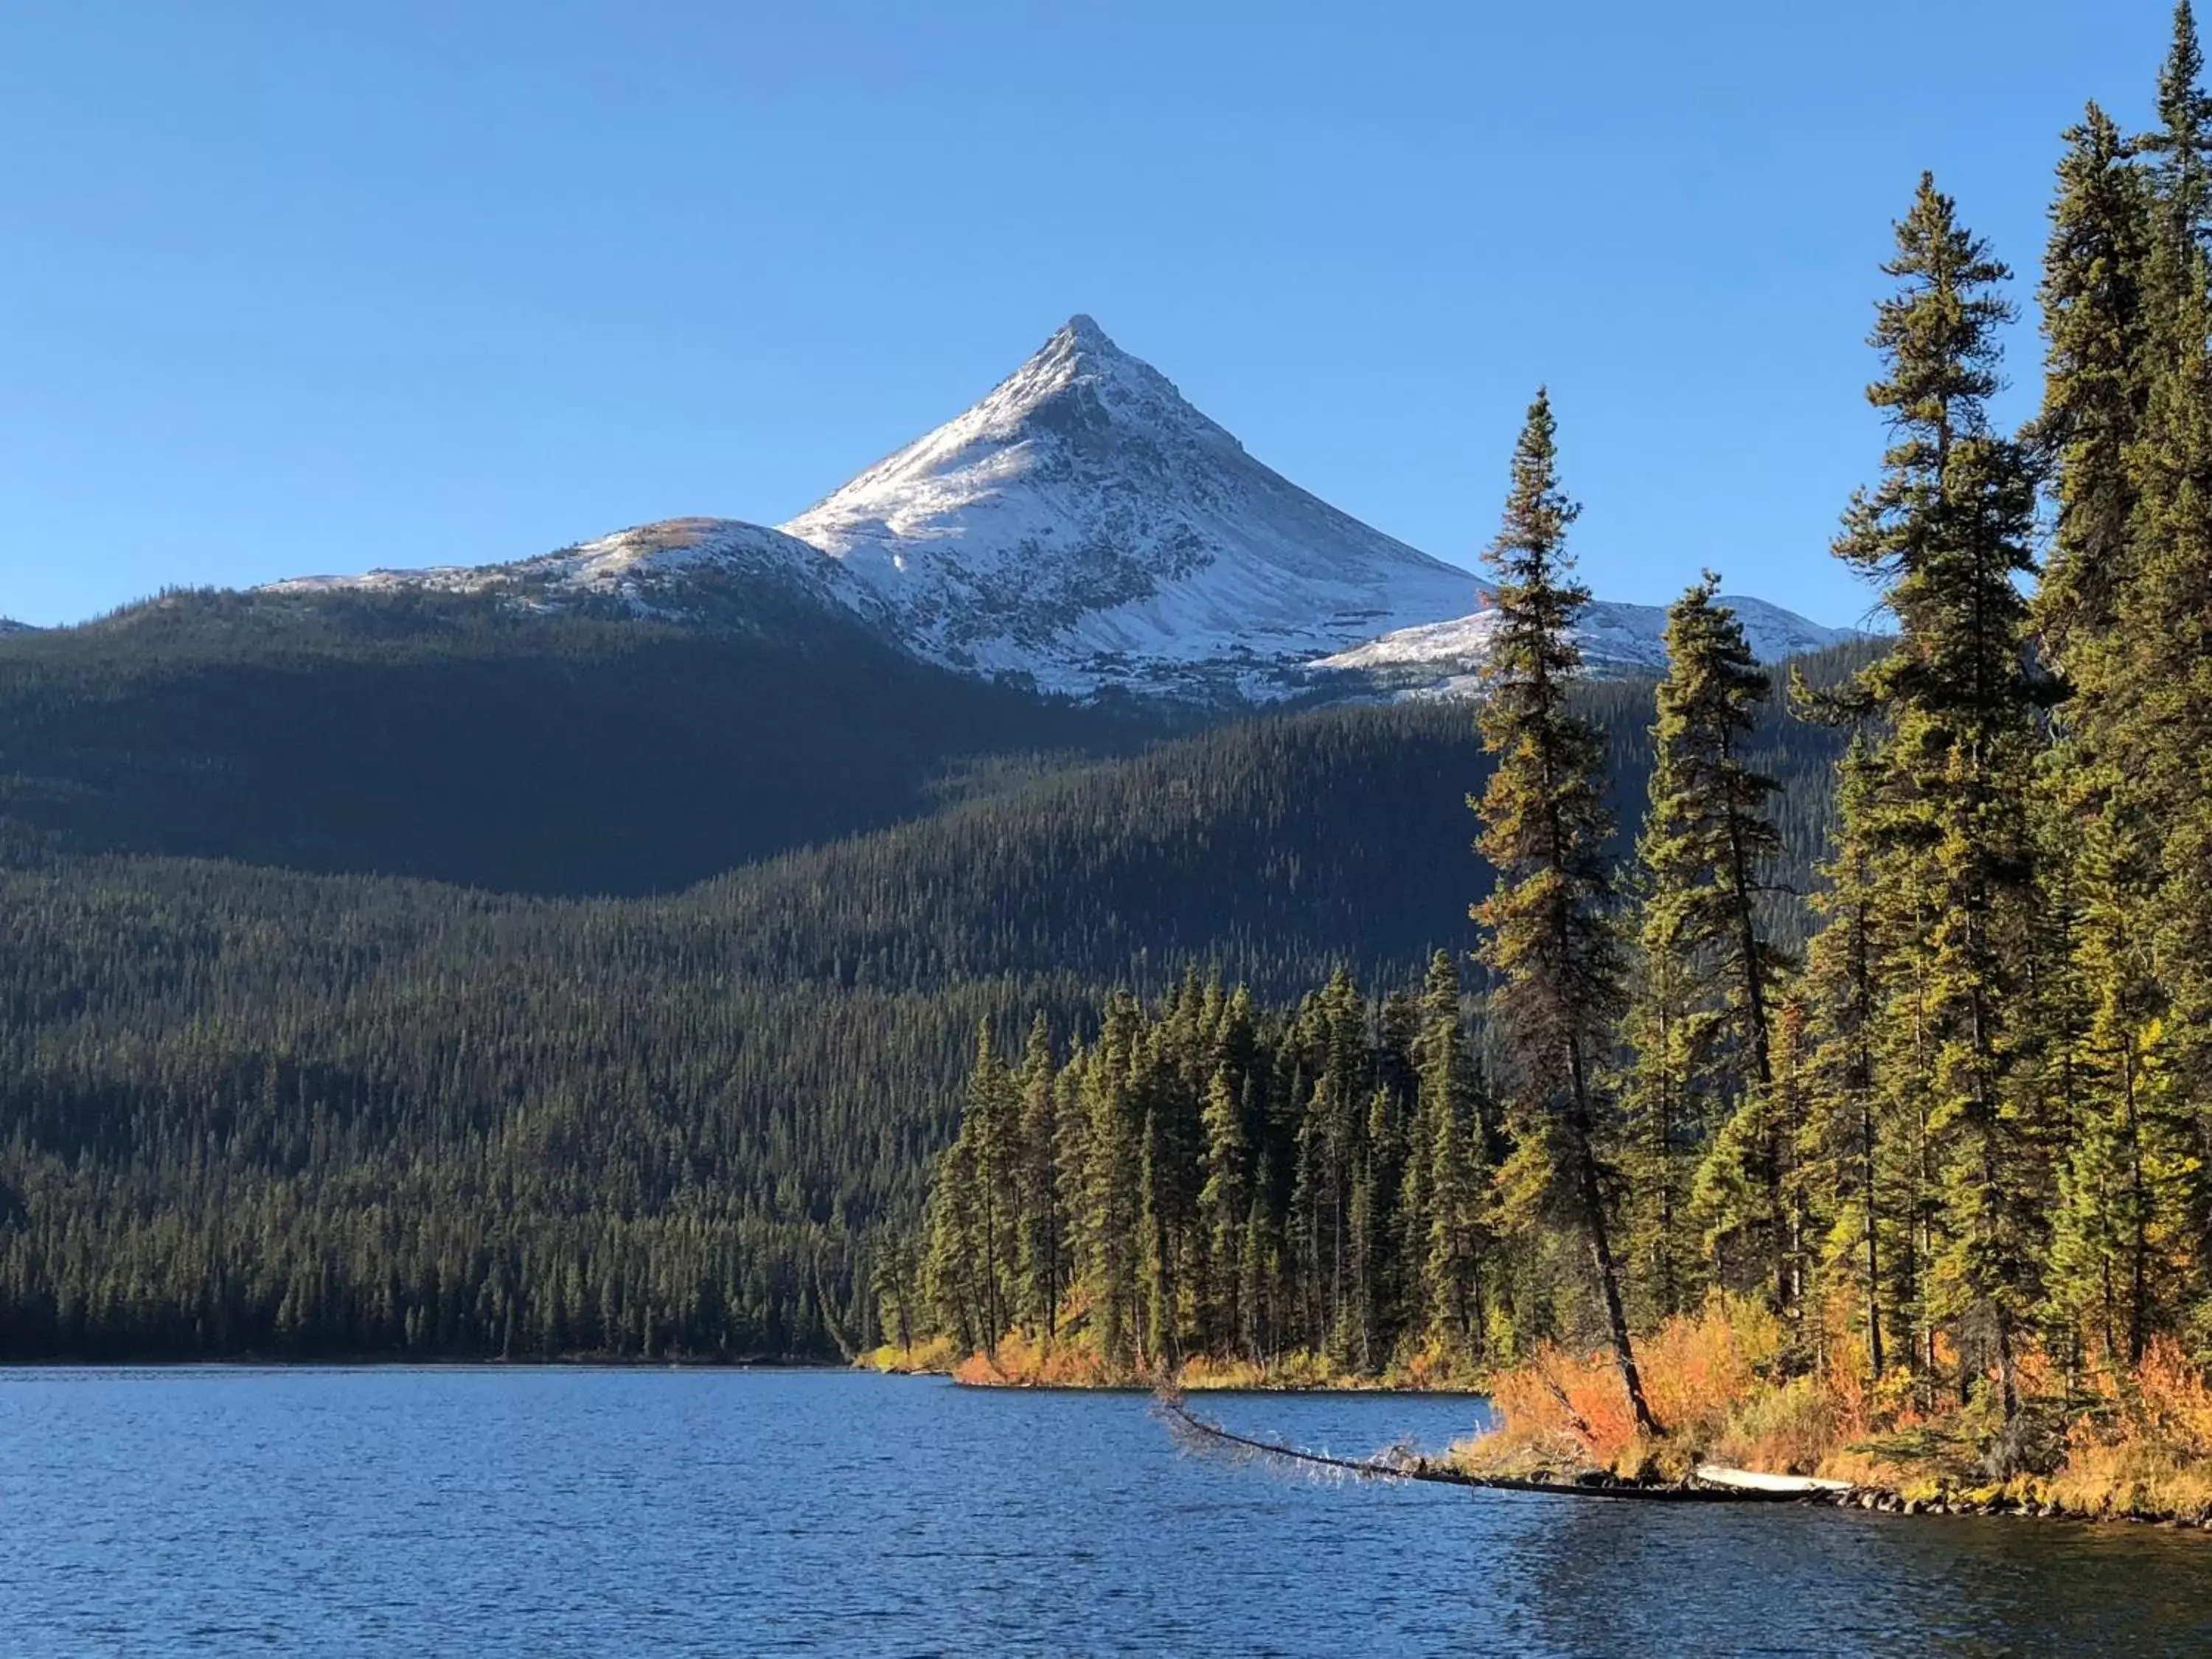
column 1789, row 1430
column 935, row 1355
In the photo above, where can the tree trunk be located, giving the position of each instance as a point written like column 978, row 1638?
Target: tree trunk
column 1608, row 1277
column 2138, row 1242
column 1872, row 1247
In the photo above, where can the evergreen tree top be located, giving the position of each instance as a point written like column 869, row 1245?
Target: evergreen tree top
column 1940, row 331
column 2182, row 140
column 2183, row 108
column 1708, row 659
column 1536, row 598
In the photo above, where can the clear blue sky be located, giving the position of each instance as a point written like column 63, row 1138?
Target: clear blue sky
column 295, row 286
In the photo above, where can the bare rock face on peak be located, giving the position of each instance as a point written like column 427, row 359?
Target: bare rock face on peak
column 1085, row 526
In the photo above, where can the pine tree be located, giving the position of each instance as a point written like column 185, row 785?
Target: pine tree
column 1041, row 1246
column 1259, row 1263
column 990, row 1127
column 1224, row 1204
column 2165, row 724
column 1667, row 1092
column 1948, row 531
column 1112, row 1187
column 1455, row 1241
column 1440, row 1231
column 950, row 1281
column 2104, row 295
column 892, row 1280
column 1371, row 1273
column 1155, row 1248
column 1701, row 1026
column 2183, row 143
column 1166, row 1087
column 1843, row 995
column 2096, row 322
column 1550, row 944
column 2126, row 1255
column 2101, row 1254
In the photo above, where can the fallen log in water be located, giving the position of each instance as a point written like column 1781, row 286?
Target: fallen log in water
column 1709, row 1483
column 1797, row 1485
column 1401, row 1462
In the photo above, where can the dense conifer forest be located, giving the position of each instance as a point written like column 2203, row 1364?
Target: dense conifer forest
column 417, row 977
column 246, row 1109
column 1947, row 1153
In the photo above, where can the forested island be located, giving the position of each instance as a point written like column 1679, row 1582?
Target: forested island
column 1927, row 1202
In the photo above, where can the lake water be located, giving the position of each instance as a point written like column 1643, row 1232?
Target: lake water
column 557, row 1511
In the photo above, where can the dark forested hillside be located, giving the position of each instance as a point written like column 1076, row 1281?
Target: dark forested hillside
column 1274, row 849
column 449, row 738
column 246, row 1108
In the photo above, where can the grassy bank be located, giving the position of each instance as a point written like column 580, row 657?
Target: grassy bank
column 1729, row 1387
column 1726, row 1388
column 1023, row 1362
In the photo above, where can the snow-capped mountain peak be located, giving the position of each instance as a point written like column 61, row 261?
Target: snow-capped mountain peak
column 1086, row 526
column 1083, row 528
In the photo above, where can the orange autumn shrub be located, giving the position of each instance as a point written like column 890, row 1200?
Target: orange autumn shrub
column 1036, row 1362
column 2175, row 1403
column 1698, row 1369
column 1539, row 1428
column 2149, row 1451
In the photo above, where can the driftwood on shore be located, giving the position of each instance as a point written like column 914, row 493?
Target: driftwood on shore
column 1711, row 1485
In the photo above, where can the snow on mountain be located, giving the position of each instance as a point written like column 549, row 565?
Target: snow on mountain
column 668, row 570
column 9, row 626
column 1084, row 529
column 1086, row 526
column 1440, row 659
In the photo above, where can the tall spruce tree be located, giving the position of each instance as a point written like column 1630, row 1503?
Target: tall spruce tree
column 1549, row 939
column 1108, row 1218
column 1446, row 1240
column 1947, row 533
column 2181, row 141
column 1042, row 1245
column 1225, row 1203
column 2096, row 321
column 2164, row 717
column 990, row 1126
column 1843, row 1145
column 948, row 1278
column 1702, row 1027
column 2091, row 1000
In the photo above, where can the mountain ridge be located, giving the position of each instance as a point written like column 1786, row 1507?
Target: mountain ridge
column 1084, row 529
